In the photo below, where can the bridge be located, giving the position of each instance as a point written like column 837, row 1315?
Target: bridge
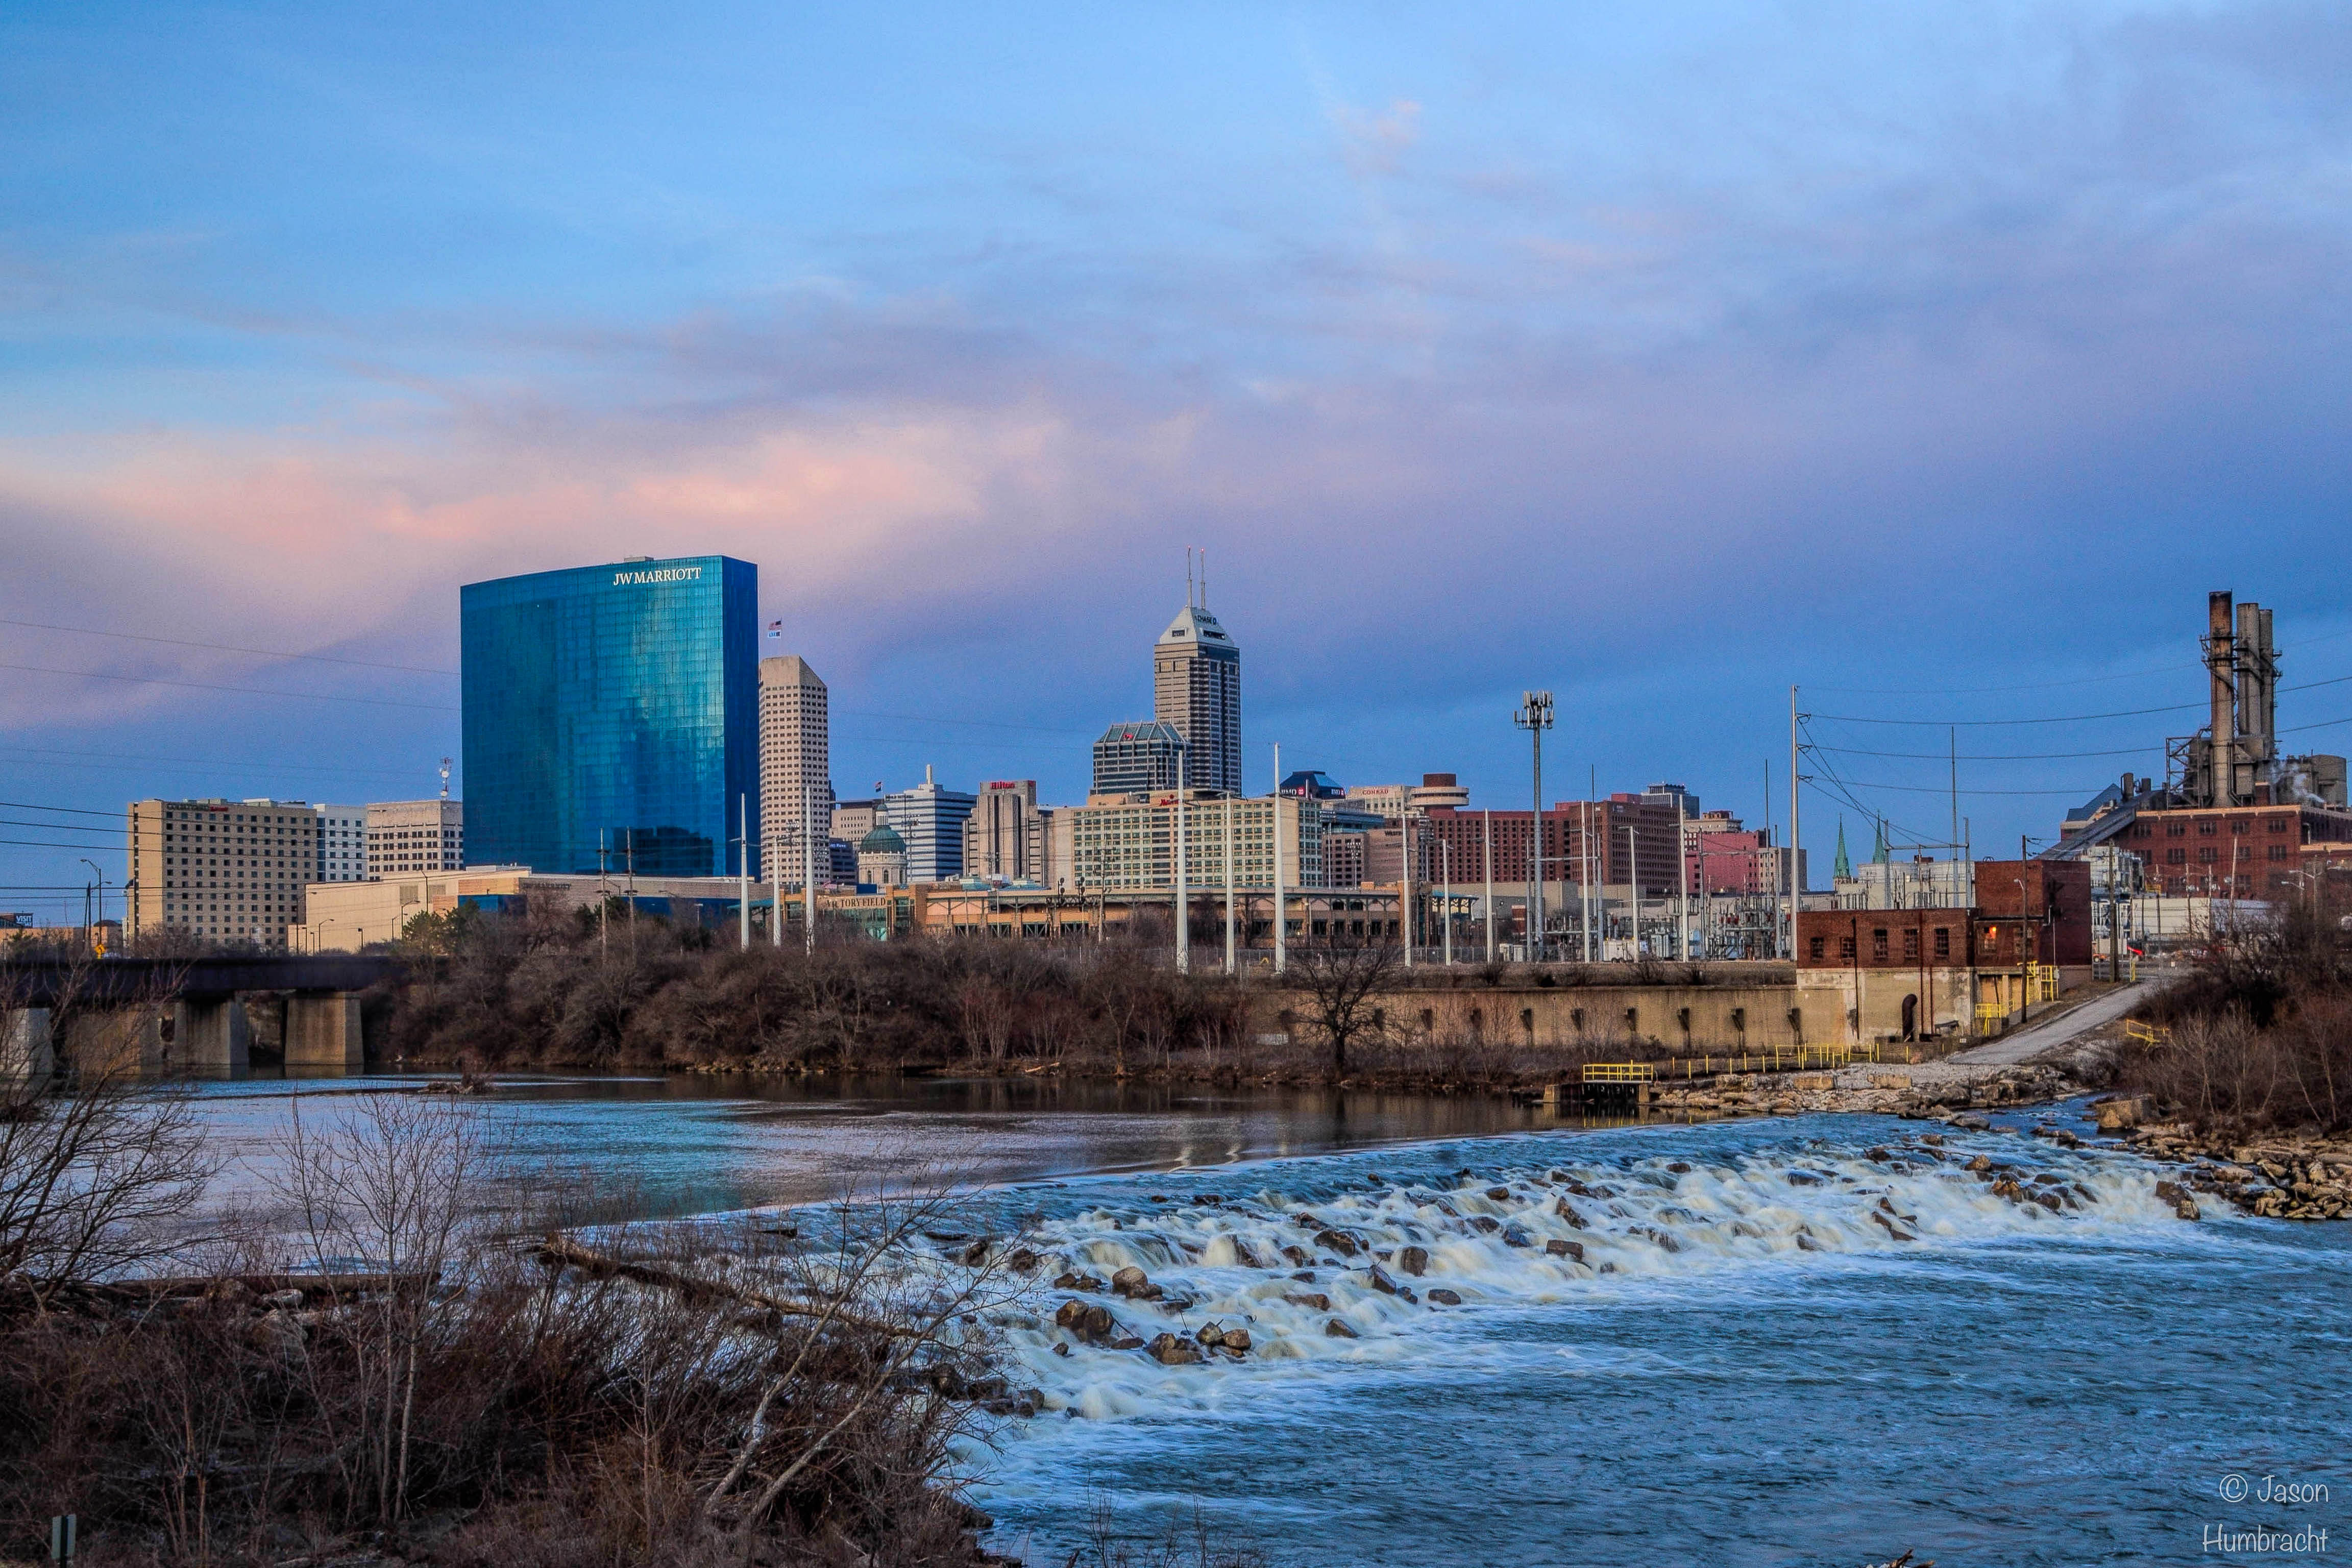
column 189, row 1015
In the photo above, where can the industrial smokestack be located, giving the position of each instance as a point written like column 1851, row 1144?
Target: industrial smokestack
column 2257, row 663
column 2220, row 659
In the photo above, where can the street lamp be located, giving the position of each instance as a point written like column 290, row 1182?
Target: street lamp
column 89, row 931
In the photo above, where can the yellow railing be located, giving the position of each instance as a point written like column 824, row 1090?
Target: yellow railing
column 1776, row 1058
column 2145, row 1034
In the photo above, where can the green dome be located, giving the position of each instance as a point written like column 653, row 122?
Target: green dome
column 883, row 841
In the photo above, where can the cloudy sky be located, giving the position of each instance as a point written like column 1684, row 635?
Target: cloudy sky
column 1938, row 358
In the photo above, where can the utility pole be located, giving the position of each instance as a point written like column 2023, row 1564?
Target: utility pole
column 1184, row 913
column 1404, row 842
column 603, row 898
column 1633, row 891
column 1230, row 959
column 1281, row 922
column 1487, row 859
column 1796, row 838
column 1535, row 717
column 1682, row 887
column 808, row 863
column 743, row 870
column 775, row 890
column 1445, row 898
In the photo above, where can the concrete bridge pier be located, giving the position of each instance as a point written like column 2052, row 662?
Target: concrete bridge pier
column 25, row 1051
column 211, row 1034
column 323, row 1033
column 116, row 1039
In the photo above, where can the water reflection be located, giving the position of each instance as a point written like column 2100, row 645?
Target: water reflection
column 686, row 1144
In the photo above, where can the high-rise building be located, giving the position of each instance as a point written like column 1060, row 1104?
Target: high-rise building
column 796, row 764
column 930, row 819
column 342, row 844
column 1009, row 834
column 1196, row 689
column 404, row 836
column 612, row 711
column 1136, row 758
column 231, row 871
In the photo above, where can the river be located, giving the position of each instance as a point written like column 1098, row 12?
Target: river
column 1745, row 1368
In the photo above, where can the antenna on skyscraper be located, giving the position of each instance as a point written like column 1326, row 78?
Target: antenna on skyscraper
column 445, row 778
column 1204, row 576
column 1187, row 576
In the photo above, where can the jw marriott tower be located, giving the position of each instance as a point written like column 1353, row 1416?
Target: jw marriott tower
column 1196, row 689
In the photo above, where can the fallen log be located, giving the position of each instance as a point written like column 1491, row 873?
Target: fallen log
column 563, row 1253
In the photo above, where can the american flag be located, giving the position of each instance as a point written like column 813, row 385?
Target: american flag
column 776, row 628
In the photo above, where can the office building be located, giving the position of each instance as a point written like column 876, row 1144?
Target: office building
column 405, row 835
column 612, row 713
column 1120, row 843
column 342, row 844
column 1011, row 837
column 1196, row 691
column 930, row 819
column 224, row 870
column 1136, row 759
column 854, row 819
column 796, row 764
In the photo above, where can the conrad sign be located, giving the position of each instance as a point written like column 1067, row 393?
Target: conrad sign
column 657, row 574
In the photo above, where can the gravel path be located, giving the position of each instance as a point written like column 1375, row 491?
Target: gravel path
column 2023, row 1045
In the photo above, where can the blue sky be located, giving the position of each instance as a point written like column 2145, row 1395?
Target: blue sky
column 1938, row 358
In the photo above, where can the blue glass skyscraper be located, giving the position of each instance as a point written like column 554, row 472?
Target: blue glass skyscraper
column 616, row 705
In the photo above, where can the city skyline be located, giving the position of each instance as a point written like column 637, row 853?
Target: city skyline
column 1783, row 339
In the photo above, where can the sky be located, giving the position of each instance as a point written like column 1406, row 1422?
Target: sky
column 1935, row 359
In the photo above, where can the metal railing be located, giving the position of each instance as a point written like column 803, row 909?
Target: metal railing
column 1773, row 1058
column 2145, row 1034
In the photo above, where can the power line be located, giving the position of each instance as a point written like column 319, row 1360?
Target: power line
column 1987, row 756
column 71, row 810
column 229, row 647
column 1947, row 790
column 45, row 844
column 2066, row 718
column 1985, row 690
column 55, row 827
column 247, row 690
column 33, row 759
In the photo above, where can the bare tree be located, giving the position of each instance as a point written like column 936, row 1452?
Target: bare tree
column 392, row 1187
column 1342, row 982
column 97, row 1166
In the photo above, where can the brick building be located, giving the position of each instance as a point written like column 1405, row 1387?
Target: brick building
column 2240, row 851
column 1580, row 838
column 1901, row 974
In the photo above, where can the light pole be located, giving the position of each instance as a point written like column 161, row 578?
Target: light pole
column 1183, row 911
column 89, row 929
column 1281, row 927
column 1535, row 717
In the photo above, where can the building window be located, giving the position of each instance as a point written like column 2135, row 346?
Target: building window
column 1878, row 944
column 2207, row 827
column 2208, row 853
column 2176, row 856
column 2175, row 830
column 2278, row 851
column 1943, row 941
column 1845, row 947
column 2280, row 824
column 1815, row 946
column 1911, row 945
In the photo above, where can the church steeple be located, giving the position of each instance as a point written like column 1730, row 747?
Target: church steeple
column 1843, row 869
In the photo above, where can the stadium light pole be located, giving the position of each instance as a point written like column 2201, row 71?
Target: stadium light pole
column 1535, row 717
